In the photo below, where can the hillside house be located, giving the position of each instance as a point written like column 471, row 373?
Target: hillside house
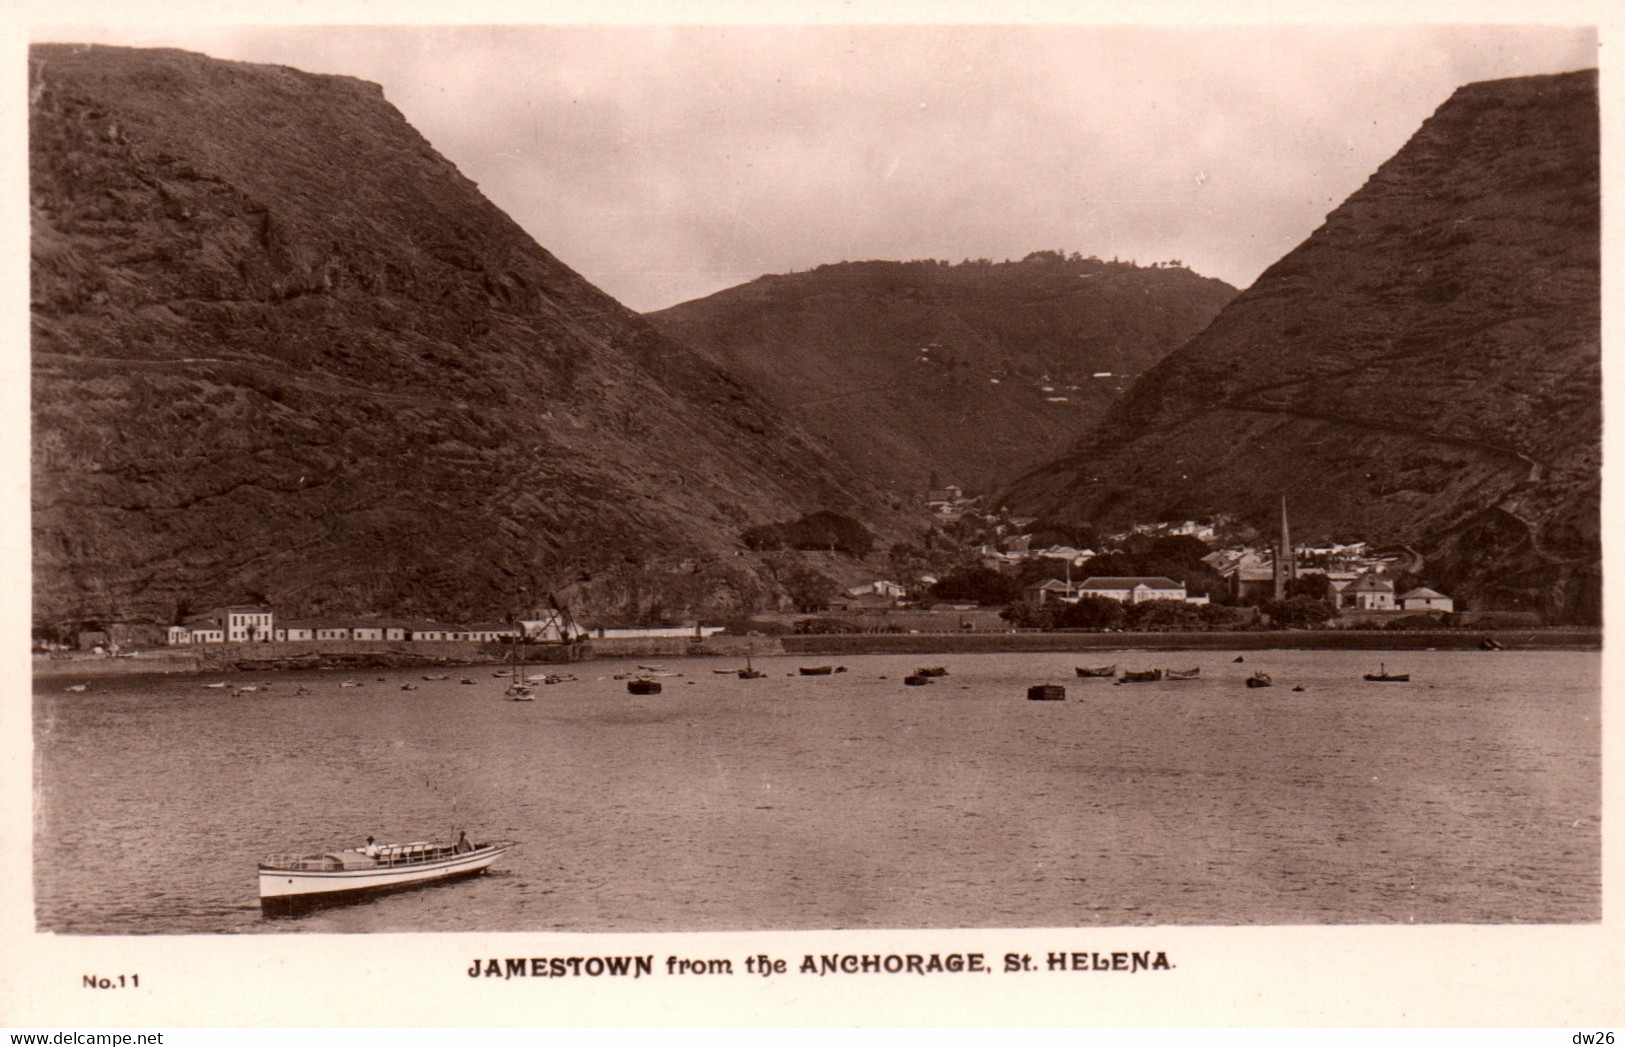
column 1424, row 599
column 1133, row 589
column 862, row 602
column 949, row 503
column 880, row 587
column 1067, row 554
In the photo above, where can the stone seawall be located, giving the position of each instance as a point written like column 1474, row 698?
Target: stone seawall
column 272, row 656
column 308, row 655
column 673, row 647
column 1318, row 639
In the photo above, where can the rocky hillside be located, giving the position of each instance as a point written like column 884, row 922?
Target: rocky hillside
column 1424, row 370
column 284, row 350
column 970, row 372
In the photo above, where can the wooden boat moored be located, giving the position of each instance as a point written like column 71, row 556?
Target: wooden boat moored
column 643, row 686
column 817, row 670
column 917, row 680
column 935, row 670
column 1259, row 679
column 1183, row 674
column 292, row 884
column 1148, row 676
column 1046, row 692
column 1105, row 672
column 1384, row 676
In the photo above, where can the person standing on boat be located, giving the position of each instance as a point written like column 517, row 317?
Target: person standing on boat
column 463, row 846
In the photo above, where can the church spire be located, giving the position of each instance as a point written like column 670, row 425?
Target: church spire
column 1286, row 563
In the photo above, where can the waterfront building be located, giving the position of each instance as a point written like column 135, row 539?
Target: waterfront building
column 202, row 629
column 1133, row 589
column 1052, row 589
column 296, row 630
column 248, row 624
column 1424, row 599
column 490, row 632
column 1370, row 592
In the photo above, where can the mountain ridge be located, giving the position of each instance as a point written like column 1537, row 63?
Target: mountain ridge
column 284, row 350
column 1423, row 370
column 967, row 372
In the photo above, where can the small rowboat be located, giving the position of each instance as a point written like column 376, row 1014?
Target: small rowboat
column 1259, row 679
column 917, row 680
column 1148, row 676
column 1046, row 692
column 1384, row 676
column 1183, row 674
column 935, row 670
column 291, row 884
column 817, row 670
column 1104, row 672
column 641, row 686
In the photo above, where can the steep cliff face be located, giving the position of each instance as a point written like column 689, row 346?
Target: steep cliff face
column 972, row 372
column 1424, row 370
column 283, row 349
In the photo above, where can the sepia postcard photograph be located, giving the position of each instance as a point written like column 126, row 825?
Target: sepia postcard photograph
column 596, row 516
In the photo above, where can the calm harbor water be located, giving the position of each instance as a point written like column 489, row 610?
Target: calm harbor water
column 1470, row 795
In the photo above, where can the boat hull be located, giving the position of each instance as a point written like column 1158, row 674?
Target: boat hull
column 292, row 892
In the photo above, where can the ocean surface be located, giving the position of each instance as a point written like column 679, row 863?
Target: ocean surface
column 1470, row 795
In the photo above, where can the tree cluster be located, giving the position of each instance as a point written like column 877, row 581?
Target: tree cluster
column 977, row 584
column 820, row 531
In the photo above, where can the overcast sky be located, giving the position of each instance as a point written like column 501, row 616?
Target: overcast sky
column 666, row 163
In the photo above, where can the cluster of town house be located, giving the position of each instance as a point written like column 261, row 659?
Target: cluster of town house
column 260, row 625
column 1356, row 579
column 1369, row 591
